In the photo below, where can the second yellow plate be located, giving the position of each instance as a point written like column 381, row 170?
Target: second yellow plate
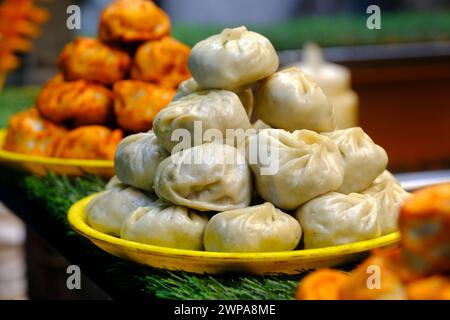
column 288, row 262
column 43, row 165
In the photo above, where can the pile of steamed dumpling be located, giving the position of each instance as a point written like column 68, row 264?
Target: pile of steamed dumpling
column 330, row 187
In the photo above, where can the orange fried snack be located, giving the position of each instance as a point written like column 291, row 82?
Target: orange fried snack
column 163, row 62
column 323, row 284
column 89, row 142
column 19, row 22
column 136, row 103
column 128, row 21
column 19, row 28
column 15, row 43
column 76, row 102
column 89, row 59
column 8, row 61
column 28, row 133
column 58, row 78
column 21, row 18
column 425, row 227
column 432, row 288
column 377, row 278
column 24, row 9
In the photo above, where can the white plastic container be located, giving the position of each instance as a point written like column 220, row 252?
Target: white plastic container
column 335, row 81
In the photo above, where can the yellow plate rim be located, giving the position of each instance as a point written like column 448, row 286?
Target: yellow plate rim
column 76, row 220
column 26, row 158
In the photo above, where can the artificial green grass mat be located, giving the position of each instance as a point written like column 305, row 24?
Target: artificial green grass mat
column 337, row 30
column 15, row 99
column 58, row 193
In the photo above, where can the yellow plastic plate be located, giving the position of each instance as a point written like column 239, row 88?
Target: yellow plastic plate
column 288, row 262
column 43, row 165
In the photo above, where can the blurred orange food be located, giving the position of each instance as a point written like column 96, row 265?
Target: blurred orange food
column 163, row 62
column 75, row 102
column 133, row 21
column 93, row 92
column 382, row 276
column 19, row 27
column 28, row 133
column 89, row 142
column 432, row 288
column 425, row 226
column 89, row 59
column 19, row 22
column 419, row 269
column 377, row 278
column 324, row 284
column 8, row 61
column 136, row 103
column 15, row 43
column 23, row 9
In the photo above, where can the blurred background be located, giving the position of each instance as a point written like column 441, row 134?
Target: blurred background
column 401, row 73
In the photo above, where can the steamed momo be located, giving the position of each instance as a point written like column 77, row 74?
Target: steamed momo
column 107, row 211
column 336, row 218
column 294, row 167
column 291, row 100
column 261, row 228
column 390, row 196
column 190, row 86
column 364, row 161
column 212, row 109
column 247, row 100
column 166, row 225
column 208, row 177
column 114, row 182
column 185, row 88
column 381, row 181
column 232, row 60
column 136, row 159
column 260, row 125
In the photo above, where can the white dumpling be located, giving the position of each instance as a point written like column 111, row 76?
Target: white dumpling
column 136, row 159
column 107, row 211
column 261, row 228
column 260, row 125
column 336, row 218
column 390, row 197
column 190, row 86
column 291, row 100
column 114, row 182
column 233, row 59
column 380, row 182
column 295, row 167
column 166, row 225
column 185, row 88
column 364, row 161
column 209, row 177
column 212, row 109
column 247, row 100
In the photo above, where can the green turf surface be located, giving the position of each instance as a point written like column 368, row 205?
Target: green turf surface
column 14, row 99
